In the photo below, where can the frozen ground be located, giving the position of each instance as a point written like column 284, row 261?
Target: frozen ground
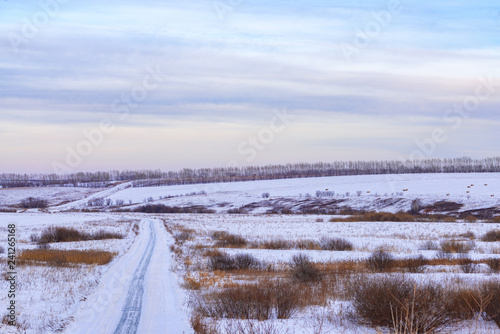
column 402, row 240
column 144, row 279
column 55, row 195
column 368, row 192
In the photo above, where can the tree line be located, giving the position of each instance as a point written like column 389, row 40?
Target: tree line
column 148, row 178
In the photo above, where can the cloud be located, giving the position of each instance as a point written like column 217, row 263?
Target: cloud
column 222, row 73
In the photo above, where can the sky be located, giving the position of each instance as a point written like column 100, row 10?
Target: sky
column 93, row 85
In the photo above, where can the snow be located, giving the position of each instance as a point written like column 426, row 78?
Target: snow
column 429, row 188
column 55, row 195
column 102, row 311
column 92, row 299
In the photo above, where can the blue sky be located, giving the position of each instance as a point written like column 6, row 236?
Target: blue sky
column 207, row 80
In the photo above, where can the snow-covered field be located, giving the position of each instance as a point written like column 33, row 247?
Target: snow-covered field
column 55, row 195
column 144, row 287
column 474, row 191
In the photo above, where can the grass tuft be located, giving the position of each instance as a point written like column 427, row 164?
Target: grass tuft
column 65, row 257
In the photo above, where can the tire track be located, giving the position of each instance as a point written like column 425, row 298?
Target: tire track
column 131, row 316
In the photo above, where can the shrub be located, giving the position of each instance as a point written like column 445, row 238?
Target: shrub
column 222, row 262
column 491, row 292
column 183, row 236
column 65, row 234
column 403, row 306
column 377, row 217
column 335, row 244
column 470, row 219
column 34, row 203
column 453, row 246
column 491, row 236
column 277, row 244
column 380, row 261
column 260, row 301
column 34, row 237
column 60, row 234
column 307, row 244
column 494, row 264
column 429, row 245
column 161, row 208
column 225, row 239
column 468, row 235
column 101, row 235
column 415, row 265
column 246, row 261
column 303, row 270
column 467, row 265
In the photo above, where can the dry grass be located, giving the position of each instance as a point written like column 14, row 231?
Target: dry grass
column 277, row 243
column 336, row 244
column 65, row 234
column 392, row 217
column 221, row 261
column 303, row 270
column 494, row 264
column 380, row 261
column 400, row 304
column 261, row 301
column 491, row 236
column 64, row 257
column 225, row 239
column 377, row 217
column 453, row 246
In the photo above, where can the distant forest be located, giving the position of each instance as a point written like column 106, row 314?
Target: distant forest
column 147, row 178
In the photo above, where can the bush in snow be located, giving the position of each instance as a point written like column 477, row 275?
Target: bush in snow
column 34, row 203
column 335, row 244
column 453, row 246
column 260, row 301
column 403, row 306
column 303, row 270
column 381, row 261
column 491, row 236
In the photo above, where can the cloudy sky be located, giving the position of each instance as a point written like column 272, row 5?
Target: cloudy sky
column 90, row 85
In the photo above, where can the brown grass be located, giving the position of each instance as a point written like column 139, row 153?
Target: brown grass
column 65, row 234
column 261, row 301
column 64, row 257
column 491, row 236
column 225, row 239
column 453, row 246
column 402, row 305
column 377, row 217
column 393, row 217
column 303, row 270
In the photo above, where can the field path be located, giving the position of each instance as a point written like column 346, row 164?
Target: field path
column 82, row 202
column 139, row 293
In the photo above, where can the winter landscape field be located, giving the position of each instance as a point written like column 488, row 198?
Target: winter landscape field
column 404, row 253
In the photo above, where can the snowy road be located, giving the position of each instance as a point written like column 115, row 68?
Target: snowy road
column 131, row 316
column 139, row 293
